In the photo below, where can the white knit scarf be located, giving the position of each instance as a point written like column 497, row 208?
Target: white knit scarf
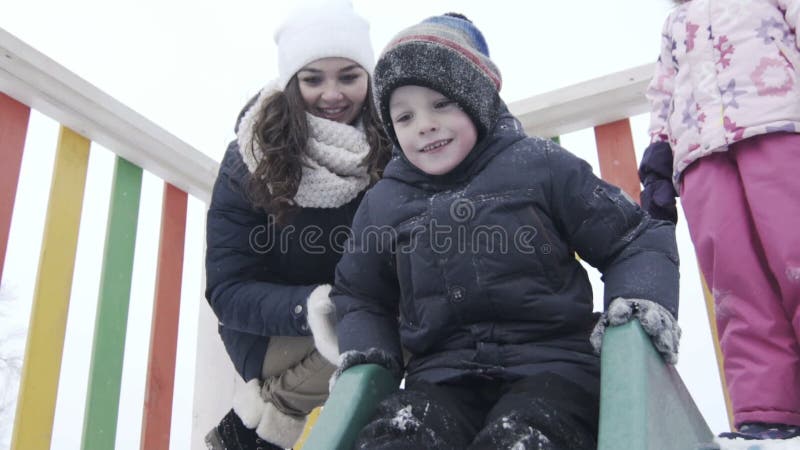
column 332, row 172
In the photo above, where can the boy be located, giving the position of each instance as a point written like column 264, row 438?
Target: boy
column 469, row 239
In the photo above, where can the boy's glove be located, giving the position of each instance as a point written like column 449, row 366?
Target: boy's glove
column 322, row 321
column 656, row 321
column 655, row 172
column 371, row 356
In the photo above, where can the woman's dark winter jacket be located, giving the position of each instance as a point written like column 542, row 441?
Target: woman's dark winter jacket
column 259, row 275
column 479, row 264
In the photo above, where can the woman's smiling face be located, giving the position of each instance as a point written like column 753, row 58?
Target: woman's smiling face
column 333, row 88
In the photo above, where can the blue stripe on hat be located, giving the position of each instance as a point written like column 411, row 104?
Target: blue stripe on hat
column 472, row 32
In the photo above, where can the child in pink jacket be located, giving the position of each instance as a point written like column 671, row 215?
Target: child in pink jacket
column 725, row 128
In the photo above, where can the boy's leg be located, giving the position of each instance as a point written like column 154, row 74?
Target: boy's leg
column 769, row 166
column 543, row 412
column 757, row 342
column 424, row 416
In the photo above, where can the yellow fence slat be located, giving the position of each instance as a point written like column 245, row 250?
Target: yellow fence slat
column 712, row 323
column 33, row 424
column 311, row 420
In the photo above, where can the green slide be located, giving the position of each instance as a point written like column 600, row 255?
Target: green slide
column 644, row 404
column 353, row 400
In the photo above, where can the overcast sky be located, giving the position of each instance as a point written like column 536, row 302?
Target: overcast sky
column 189, row 66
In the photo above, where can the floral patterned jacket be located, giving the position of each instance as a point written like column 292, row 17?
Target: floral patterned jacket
column 728, row 70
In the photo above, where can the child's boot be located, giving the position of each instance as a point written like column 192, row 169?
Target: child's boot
column 231, row 434
column 762, row 431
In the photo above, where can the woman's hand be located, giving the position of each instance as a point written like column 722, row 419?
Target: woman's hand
column 322, row 321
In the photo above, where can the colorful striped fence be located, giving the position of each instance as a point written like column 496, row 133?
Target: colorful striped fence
column 29, row 79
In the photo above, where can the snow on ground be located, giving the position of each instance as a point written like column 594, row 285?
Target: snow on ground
column 742, row 444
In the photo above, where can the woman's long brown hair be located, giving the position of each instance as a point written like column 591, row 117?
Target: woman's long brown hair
column 282, row 134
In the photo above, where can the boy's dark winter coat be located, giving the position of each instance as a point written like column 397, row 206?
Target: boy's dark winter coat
column 259, row 275
column 479, row 263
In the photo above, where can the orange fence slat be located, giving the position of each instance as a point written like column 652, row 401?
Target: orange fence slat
column 13, row 129
column 617, row 156
column 157, row 414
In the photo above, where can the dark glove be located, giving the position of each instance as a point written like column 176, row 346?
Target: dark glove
column 373, row 355
column 655, row 172
column 656, row 321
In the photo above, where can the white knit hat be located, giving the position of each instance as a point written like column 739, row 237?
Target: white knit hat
column 327, row 29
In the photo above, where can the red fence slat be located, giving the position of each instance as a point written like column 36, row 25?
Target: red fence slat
column 13, row 129
column 157, row 412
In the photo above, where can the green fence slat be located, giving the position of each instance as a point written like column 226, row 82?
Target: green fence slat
column 105, row 373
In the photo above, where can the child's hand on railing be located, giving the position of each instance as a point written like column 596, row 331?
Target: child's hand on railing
column 371, row 356
column 655, row 172
column 656, row 321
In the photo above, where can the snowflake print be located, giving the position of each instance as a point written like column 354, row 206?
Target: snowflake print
column 680, row 15
column 701, row 116
column 772, row 77
column 772, row 29
column 725, row 49
column 788, row 128
column 663, row 78
column 732, row 127
column 664, row 109
column 691, row 35
column 673, row 44
column 730, row 93
column 690, row 117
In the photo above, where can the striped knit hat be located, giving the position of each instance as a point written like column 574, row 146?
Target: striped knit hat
column 447, row 54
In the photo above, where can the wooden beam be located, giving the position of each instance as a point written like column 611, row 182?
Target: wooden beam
column 584, row 105
column 39, row 82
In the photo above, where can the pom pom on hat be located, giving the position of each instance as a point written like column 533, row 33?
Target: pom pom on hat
column 445, row 53
column 329, row 29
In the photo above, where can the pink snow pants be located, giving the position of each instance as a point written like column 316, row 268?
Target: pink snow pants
column 742, row 208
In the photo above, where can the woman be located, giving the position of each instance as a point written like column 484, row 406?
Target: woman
column 307, row 148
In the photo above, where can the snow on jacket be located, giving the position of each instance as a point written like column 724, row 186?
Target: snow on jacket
column 727, row 71
column 259, row 275
column 479, row 263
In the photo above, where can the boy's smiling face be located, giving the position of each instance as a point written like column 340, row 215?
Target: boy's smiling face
column 433, row 131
